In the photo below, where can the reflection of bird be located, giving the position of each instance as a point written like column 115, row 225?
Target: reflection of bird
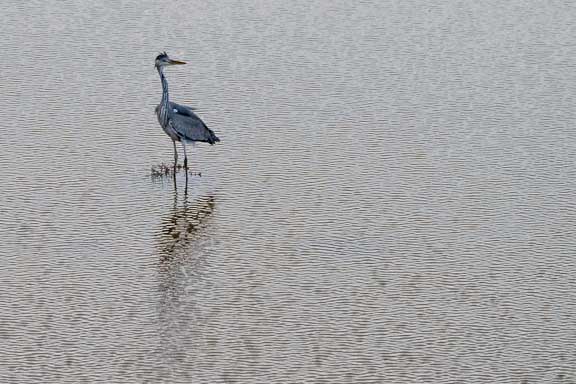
column 183, row 225
column 185, row 246
column 178, row 121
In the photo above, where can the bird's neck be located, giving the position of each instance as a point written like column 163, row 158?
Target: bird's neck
column 165, row 100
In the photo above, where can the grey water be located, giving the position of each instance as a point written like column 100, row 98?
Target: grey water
column 393, row 199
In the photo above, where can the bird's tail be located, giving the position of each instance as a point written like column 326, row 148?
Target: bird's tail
column 212, row 138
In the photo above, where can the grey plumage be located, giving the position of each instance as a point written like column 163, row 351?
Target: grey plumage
column 179, row 121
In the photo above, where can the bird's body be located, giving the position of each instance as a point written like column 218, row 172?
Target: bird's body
column 179, row 121
column 184, row 124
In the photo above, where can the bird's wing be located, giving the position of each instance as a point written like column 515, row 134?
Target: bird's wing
column 191, row 127
column 181, row 109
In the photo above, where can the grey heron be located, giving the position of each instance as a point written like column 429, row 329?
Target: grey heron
column 179, row 121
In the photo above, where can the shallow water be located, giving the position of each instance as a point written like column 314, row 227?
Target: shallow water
column 392, row 200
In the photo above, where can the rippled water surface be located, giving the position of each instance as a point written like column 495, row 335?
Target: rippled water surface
column 393, row 199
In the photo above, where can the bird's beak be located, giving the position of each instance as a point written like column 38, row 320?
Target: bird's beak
column 177, row 62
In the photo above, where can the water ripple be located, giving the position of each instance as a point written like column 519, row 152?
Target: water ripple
column 392, row 200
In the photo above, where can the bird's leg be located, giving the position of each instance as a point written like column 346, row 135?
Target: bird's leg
column 185, row 156
column 175, row 155
column 186, row 185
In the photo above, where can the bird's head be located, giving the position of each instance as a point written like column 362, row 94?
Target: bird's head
column 162, row 60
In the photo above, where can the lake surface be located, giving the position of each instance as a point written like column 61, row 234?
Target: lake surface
column 393, row 199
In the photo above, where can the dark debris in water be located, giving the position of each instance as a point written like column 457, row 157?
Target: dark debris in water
column 167, row 170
